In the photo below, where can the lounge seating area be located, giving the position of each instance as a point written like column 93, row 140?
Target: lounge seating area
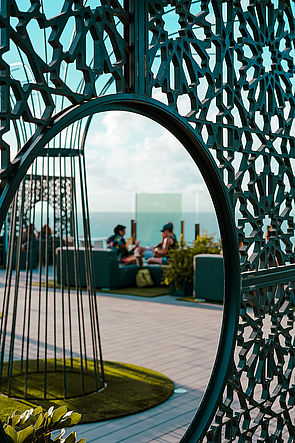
column 208, row 281
column 208, row 277
column 108, row 273
column 34, row 251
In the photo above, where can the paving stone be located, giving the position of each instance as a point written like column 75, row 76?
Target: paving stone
column 176, row 338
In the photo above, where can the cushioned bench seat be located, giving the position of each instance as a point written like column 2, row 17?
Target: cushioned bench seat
column 106, row 270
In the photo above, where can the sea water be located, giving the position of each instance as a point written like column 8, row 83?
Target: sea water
column 149, row 226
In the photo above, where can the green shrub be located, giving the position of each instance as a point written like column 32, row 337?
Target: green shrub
column 36, row 425
column 180, row 260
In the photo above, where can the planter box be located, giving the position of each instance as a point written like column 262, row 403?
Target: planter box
column 186, row 290
column 209, row 277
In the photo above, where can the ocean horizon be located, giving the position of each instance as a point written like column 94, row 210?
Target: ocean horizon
column 149, row 225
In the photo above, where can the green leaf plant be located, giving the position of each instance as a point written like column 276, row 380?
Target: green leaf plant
column 37, row 425
column 180, row 260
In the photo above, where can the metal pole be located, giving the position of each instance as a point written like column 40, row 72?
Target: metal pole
column 182, row 227
column 133, row 231
column 5, row 247
column 197, row 230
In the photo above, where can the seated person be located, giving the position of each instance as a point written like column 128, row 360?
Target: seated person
column 46, row 231
column 29, row 234
column 117, row 241
column 168, row 242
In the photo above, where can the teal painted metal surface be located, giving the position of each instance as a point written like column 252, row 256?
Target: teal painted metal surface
column 225, row 72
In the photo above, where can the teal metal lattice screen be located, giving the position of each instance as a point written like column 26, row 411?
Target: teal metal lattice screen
column 224, row 69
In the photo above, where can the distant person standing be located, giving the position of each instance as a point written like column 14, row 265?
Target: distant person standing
column 118, row 243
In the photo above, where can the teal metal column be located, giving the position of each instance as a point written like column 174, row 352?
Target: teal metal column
column 138, row 46
column 4, row 88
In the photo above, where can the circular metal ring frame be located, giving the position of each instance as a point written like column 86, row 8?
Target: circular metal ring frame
column 179, row 127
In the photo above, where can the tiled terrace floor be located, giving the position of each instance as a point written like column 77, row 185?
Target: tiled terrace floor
column 176, row 338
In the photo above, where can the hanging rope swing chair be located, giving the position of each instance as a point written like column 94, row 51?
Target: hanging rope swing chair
column 56, row 324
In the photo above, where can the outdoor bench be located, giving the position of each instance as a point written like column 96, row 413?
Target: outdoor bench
column 107, row 272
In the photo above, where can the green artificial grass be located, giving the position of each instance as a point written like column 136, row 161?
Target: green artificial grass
column 50, row 284
column 199, row 300
column 190, row 299
column 156, row 291
column 130, row 389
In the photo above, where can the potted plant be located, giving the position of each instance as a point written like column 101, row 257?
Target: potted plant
column 37, row 425
column 179, row 274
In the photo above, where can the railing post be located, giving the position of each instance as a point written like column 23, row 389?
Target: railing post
column 182, row 227
column 133, row 231
column 197, row 230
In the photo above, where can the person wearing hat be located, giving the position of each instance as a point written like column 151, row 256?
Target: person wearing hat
column 161, row 250
column 118, row 243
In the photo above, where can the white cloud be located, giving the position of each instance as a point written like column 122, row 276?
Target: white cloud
column 127, row 154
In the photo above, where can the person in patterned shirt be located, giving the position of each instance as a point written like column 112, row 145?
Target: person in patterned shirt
column 117, row 242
